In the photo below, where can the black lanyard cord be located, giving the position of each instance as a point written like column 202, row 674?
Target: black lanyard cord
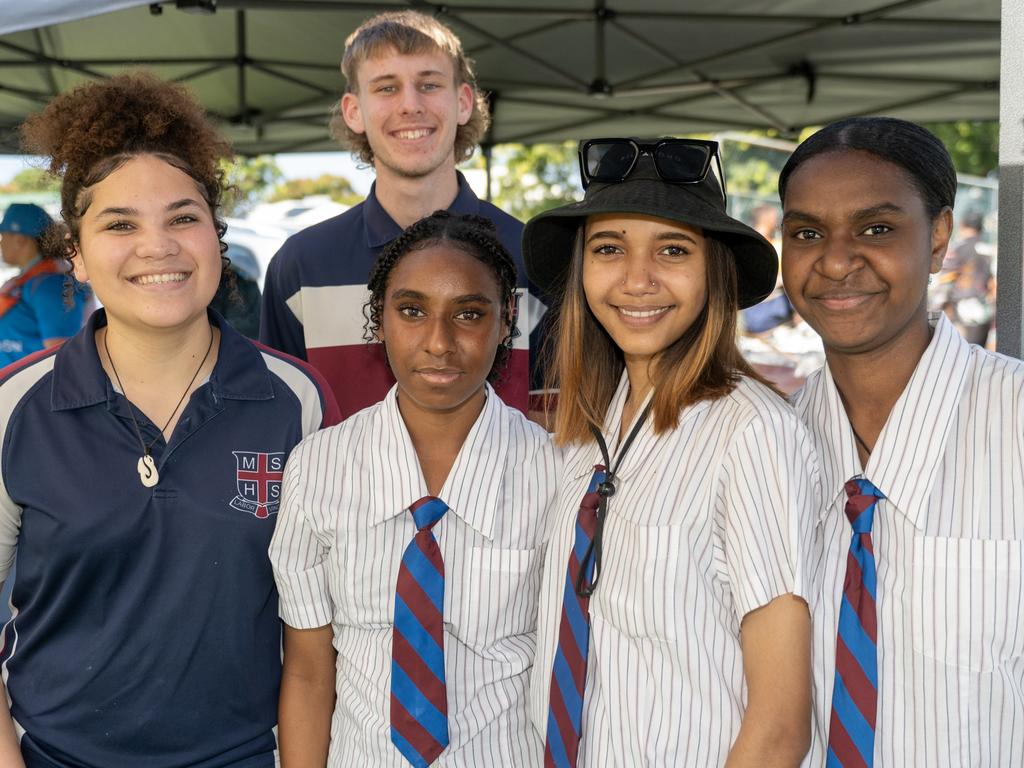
column 605, row 491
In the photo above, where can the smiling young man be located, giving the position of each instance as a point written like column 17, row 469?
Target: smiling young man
column 412, row 110
column 917, row 566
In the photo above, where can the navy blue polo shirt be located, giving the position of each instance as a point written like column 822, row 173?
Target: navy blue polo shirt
column 145, row 629
column 315, row 289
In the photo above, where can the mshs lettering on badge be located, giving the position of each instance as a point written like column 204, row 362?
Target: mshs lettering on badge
column 258, row 479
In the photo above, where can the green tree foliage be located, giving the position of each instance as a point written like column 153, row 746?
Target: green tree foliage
column 531, row 179
column 974, row 146
column 752, row 169
column 32, row 180
column 338, row 188
column 249, row 179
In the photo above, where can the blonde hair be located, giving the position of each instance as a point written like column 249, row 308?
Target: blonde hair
column 586, row 364
column 408, row 33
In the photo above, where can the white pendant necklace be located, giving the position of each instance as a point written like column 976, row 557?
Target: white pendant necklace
column 146, row 465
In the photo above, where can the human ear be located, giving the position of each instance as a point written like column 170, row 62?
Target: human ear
column 74, row 255
column 942, row 230
column 467, row 97
column 351, row 113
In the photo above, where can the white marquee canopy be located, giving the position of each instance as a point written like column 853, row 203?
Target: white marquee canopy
column 555, row 69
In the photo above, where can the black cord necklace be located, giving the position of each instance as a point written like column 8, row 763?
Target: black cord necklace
column 860, row 440
column 605, row 491
column 147, row 466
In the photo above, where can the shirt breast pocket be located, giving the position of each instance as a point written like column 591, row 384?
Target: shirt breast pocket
column 496, row 596
column 967, row 601
column 636, row 592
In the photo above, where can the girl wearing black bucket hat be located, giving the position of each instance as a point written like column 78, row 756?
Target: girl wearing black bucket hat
column 673, row 627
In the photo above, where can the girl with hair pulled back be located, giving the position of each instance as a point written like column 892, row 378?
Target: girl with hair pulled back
column 918, row 550
column 142, row 461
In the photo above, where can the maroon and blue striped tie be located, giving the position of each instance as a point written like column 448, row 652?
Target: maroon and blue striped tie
column 565, row 709
column 419, row 700
column 851, row 737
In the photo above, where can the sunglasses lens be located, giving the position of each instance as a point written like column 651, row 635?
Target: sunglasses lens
column 610, row 160
column 682, row 162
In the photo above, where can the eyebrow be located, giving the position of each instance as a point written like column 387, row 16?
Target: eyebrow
column 127, row 211
column 468, row 298
column 391, row 76
column 877, row 210
column 864, row 213
column 661, row 236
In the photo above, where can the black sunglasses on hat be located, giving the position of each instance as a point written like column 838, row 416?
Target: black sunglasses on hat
column 677, row 161
column 665, row 178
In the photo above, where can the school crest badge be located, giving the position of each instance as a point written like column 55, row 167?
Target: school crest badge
column 258, row 479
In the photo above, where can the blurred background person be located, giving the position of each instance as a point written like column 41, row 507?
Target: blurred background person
column 33, row 312
column 964, row 288
column 776, row 309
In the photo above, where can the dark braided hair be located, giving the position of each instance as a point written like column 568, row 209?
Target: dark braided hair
column 916, row 150
column 473, row 235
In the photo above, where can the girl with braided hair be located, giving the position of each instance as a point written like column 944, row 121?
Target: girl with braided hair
column 410, row 535
column 141, row 464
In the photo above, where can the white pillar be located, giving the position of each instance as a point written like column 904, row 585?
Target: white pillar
column 1010, row 305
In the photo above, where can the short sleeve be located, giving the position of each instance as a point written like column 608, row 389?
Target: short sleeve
column 770, row 498
column 299, row 551
column 10, row 527
column 55, row 318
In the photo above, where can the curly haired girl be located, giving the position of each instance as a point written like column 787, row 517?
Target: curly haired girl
column 141, row 463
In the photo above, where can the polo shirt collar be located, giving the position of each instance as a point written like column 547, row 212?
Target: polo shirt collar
column 381, row 229
column 904, row 461
column 472, row 489
column 80, row 381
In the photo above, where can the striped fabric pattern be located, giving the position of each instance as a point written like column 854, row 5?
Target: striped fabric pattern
column 949, row 551
column 855, row 694
column 419, row 701
column 709, row 521
column 570, row 669
column 342, row 531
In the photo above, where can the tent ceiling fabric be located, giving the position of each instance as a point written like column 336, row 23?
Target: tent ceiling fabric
column 556, row 69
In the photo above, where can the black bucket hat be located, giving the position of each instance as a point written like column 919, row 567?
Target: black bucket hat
column 548, row 237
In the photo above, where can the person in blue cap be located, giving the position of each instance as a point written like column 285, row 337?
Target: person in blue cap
column 33, row 310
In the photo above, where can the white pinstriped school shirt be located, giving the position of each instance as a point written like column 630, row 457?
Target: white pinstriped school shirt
column 949, row 551
column 708, row 522
column 344, row 524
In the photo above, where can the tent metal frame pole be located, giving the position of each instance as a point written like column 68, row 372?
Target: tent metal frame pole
column 1010, row 296
column 259, row 66
column 195, row 74
column 866, row 17
column 242, row 61
column 578, row 14
column 712, row 84
column 501, row 42
column 529, row 32
column 42, row 58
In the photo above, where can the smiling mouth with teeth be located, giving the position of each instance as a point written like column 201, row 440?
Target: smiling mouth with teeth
column 642, row 312
column 417, row 134
column 168, row 277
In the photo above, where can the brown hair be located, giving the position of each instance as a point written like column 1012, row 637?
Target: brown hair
column 91, row 131
column 586, row 364
column 408, row 33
